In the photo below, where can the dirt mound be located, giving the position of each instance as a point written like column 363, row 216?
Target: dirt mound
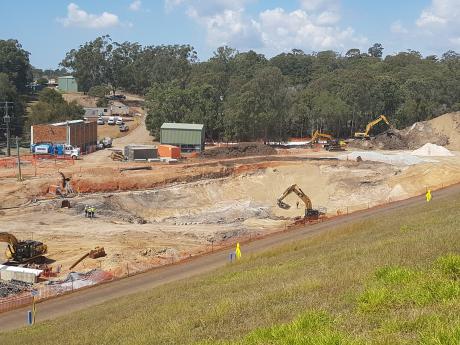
column 442, row 131
column 431, row 150
column 239, row 150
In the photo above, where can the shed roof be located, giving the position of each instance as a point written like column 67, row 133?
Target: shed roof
column 193, row 126
column 71, row 122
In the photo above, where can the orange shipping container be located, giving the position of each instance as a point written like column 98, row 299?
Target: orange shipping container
column 169, row 151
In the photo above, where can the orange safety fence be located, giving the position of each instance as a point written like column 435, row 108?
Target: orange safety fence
column 96, row 277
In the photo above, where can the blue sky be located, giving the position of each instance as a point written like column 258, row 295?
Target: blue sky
column 48, row 29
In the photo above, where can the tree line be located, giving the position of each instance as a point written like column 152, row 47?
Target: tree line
column 242, row 96
column 16, row 75
column 247, row 96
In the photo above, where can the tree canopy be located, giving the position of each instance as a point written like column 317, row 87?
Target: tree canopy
column 245, row 95
column 51, row 107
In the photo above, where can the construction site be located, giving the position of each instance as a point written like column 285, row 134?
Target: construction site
column 154, row 213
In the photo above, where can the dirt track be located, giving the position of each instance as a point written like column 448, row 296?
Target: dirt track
column 54, row 308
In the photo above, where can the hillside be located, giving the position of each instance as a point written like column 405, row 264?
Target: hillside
column 388, row 280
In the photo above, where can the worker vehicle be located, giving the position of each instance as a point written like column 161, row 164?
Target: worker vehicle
column 335, row 145
column 100, row 121
column 365, row 134
column 119, row 121
column 56, row 149
column 22, row 251
column 310, row 212
column 124, row 128
column 111, row 120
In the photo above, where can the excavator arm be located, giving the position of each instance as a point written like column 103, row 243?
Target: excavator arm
column 12, row 242
column 317, row 135
column 8, row 238
column 369, row 126
column 294, row 189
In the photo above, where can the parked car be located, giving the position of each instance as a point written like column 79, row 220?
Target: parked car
column 104, row 143
column 124, row 128
column 100, row 121
column 107, row 142
column 119, row 120
column 111, row 120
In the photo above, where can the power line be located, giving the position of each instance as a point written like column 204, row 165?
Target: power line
column 7, row 120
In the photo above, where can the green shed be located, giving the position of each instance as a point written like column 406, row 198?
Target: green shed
column 188, row 136
column 67, row 84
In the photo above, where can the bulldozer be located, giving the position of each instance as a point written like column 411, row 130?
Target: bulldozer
column 310, row 212
column 365, row 134
column 21, row 252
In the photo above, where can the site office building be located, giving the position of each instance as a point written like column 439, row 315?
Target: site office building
column 78, row 133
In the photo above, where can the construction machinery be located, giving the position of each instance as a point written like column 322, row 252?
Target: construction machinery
column 22, row 251
column 310, row 212
column 365, row 134
column 97, row 252
column 318, row 135
column 331, row 143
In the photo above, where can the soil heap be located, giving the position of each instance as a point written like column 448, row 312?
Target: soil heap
column 431, row 150
column 442, row 131
column 239, row 150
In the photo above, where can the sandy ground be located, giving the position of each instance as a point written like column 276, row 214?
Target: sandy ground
column 151, row 217
column 151, row 227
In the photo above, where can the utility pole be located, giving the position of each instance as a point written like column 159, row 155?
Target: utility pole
column 19, row 159
column 7, row 120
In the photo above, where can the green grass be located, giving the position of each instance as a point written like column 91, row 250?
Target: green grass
column 389, row 280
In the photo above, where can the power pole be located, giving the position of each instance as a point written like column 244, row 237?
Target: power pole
column 7, row 120
column 19, row 160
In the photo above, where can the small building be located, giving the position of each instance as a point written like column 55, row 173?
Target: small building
column 67, row 84
column 119, row 109
column 95, row 112
column 78, row 133
column 22, row 274
column 140, row 152
column 188, row 136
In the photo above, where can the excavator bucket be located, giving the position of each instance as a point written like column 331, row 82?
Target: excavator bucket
column 282, row 204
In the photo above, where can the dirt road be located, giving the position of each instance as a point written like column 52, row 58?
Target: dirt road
column 54, row 308
column 139, row 136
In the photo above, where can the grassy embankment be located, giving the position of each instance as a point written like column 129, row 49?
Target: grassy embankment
column 389, row 280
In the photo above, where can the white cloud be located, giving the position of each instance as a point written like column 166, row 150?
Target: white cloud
column 135, row 5
column 398, row 28
column 313, row 26
column 225, row 21
column 440, row 14
column 171, row 4
column 281, row 30
column 316, row 5
column 438, row 25
column 80, row 18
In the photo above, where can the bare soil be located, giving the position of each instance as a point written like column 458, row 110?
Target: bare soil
column 239, row 150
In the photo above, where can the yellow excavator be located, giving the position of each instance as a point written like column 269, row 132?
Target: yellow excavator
column 318, row 135
column 22, row 251
column 310, row 212
column 331, row 143
column 365, row 134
